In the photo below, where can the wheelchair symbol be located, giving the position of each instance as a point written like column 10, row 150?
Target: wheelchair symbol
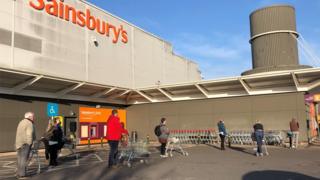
column 52, row 111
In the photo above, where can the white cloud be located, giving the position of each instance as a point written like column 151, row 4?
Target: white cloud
column 218, row 54
column 305, row 57
column 210, row 51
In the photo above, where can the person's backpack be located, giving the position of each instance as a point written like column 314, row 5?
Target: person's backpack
column 157, row 130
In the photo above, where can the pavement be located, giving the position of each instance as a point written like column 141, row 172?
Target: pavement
column 203, row 162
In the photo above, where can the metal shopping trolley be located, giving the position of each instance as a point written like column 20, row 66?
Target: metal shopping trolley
column 174, row 144
column 134, row 151
column 34, row 156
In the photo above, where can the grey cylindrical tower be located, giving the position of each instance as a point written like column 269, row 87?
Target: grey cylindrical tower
column 273, row 39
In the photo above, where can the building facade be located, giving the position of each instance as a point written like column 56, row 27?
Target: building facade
column 88, row 61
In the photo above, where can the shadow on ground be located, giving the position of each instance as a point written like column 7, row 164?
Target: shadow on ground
column 272, row 174
column 240, row 149
column 243, row 150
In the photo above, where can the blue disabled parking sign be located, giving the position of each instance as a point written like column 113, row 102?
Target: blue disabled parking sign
column 52, row 109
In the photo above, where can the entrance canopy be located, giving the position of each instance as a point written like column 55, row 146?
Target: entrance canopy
column 28, row 84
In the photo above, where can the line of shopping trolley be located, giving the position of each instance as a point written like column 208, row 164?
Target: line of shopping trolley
column 196, row 136
column 244, row 137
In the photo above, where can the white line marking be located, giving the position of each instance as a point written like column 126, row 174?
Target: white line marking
column 98, row 157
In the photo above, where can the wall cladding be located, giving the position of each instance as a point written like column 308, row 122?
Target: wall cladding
column 48, row 45
column 239, row 113
column 12, row 111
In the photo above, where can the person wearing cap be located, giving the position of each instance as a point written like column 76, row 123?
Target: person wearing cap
column 163, row 138
column 222, row 133
column 259, row 134
column 24, row 138
column 113, row 136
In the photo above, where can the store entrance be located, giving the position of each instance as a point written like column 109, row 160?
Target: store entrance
column 70, row 126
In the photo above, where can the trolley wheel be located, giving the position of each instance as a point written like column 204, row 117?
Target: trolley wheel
column 129, row 165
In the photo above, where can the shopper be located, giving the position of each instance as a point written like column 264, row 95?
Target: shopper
column 163, row 138
column 24, row 139
column 124, row 135
column 55, row 142
column 294, row 128
column 222, row 133
column 113, row 137
column 46, row 137
column 259, row 134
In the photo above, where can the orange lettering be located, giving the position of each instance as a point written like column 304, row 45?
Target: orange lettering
column 52, row 9
column 81, row 18
column 91, row 22
column 100, row 28
column 39, row 6
column 108, row 26
column 67, row 16
column 124, row 36
column 116, row 33
column 61, row 10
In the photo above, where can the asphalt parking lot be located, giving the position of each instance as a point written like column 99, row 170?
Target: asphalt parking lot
column 203, row 162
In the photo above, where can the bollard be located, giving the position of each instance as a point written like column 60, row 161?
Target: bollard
column 88, row 142
column 229, row 140
column 134, row 136
column 101, row 141
column 198, row 138
column 148, row 139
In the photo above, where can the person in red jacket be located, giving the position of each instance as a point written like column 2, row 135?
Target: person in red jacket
column 113, row 137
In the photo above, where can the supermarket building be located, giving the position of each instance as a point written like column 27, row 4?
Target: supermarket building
column 88, row 61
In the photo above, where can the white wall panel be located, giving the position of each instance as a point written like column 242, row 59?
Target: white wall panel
column 110, row 63
column 5, row 56
column 67, row 50
column 148, row 59
column 6, row 7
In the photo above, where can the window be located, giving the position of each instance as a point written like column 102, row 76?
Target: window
column 93, row 131
column 84, row 131
column 105, row 128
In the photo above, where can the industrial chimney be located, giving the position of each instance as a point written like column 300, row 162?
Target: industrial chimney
column 273, row 40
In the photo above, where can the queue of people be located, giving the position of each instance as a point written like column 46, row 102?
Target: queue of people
column 116, row 132
column 53, row 140
column 26, row 135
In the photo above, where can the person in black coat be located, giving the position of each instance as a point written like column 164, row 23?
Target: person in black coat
column 55, row 143
column 46, row 137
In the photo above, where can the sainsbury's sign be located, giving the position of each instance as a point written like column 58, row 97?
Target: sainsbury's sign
column 83, row 19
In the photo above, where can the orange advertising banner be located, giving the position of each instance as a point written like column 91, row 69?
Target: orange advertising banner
column 94, row 115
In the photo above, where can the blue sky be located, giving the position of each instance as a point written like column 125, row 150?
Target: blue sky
column 214, row 34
